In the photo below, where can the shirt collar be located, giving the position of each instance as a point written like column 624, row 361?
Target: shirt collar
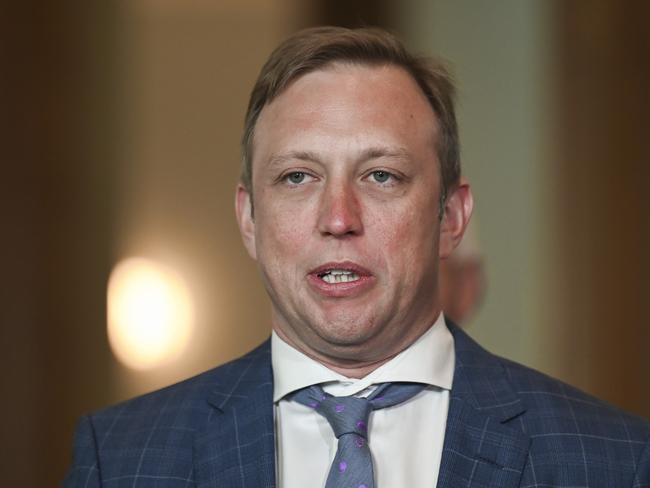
column 430, row 360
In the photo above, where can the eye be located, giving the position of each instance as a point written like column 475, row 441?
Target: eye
column 295, row 177
column 381, row 176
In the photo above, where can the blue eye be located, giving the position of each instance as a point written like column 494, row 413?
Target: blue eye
column 296, row 177
column 381, row 176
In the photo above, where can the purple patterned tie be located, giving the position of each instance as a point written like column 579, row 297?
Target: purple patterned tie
column 348, row 417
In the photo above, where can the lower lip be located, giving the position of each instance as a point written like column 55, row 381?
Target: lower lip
column 340, row 290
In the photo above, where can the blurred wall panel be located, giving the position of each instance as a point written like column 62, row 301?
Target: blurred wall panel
column 602, row 214
column 56, row 163
column 353, row 13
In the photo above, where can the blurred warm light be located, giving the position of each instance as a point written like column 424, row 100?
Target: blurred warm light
column 150, row 313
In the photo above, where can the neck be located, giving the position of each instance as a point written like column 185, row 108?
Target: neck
column 352, row 365
column 355, row 370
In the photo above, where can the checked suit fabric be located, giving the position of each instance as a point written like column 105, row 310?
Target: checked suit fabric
column 348, row 416
column 508, row 427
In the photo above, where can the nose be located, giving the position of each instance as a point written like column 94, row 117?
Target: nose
column 339, row 212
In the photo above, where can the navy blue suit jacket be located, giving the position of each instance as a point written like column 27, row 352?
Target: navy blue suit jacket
column 508, row 426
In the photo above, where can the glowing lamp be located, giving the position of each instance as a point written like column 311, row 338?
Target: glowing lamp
column 150, row 313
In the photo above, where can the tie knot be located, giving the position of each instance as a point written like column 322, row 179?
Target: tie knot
column 349, row 415
column 346, row 415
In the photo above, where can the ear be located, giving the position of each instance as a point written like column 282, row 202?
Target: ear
column 244, row 211
column 458, row 210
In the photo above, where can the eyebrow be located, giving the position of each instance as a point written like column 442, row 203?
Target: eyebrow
column 278, row 159
column 375, row 152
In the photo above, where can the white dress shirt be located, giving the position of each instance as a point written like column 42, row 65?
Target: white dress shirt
column 405, row 440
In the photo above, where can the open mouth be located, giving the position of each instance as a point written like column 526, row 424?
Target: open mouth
column 340, row 272
column 338, row 276
column 341, row 279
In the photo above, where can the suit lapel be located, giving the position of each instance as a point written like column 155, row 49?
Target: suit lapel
column 238, row 447
column 480, row 448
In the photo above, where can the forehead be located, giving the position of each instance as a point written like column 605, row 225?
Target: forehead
column 344, row 103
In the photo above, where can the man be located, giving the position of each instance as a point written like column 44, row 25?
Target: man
column 350, row 195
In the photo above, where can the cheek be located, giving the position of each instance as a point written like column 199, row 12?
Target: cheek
column 408, row 227
column 407, row 241
column 282, row 232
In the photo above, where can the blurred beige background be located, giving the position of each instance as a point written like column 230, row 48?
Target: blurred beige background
column 123, row 140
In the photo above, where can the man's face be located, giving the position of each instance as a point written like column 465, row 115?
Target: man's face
column 345, row 230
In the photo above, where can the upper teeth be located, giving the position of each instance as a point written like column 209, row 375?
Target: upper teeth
column 339, row 276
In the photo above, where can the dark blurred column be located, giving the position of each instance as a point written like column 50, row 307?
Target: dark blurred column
column 58, row 150
column 603, row 195
column 354, row 13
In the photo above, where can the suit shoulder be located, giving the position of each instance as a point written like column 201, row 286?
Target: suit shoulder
column 155, row 433
column 553, row 405
column 183, row 404
column 574, row 439
column 550, row 405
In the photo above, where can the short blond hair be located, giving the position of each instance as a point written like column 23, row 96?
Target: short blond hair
column 312, row 49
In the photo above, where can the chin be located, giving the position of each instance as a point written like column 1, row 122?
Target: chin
column 346, row 333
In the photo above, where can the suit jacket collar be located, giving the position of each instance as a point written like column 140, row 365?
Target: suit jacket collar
column 238, row 447
column 480, row 447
